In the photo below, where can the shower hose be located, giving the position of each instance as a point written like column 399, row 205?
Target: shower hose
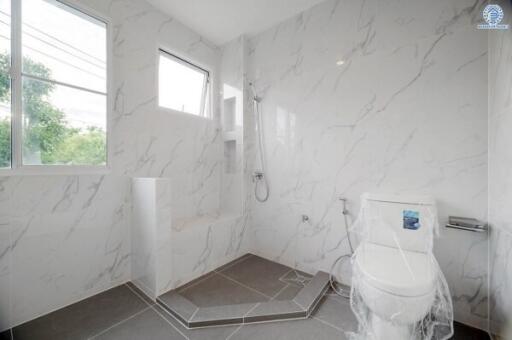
column 342, row 291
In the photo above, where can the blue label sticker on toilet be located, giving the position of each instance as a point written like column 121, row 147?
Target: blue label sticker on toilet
column 411, row 220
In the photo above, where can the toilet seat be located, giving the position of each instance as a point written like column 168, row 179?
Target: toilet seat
column 395, row 271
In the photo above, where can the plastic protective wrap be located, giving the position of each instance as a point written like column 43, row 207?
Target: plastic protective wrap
column 398, row 289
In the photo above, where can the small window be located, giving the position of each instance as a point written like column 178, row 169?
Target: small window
column 182, row 86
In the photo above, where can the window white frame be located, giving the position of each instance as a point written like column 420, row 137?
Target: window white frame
column 206, row 94
column 16, row 74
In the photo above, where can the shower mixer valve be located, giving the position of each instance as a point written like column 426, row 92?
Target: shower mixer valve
column 344, row 200
column 258, row 175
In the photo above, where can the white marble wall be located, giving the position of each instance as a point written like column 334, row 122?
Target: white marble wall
column 67, row 240
column 500, row 175
column 64, row 238
column 232, row 122
column 406, row 112
column 151, row 206
column 200, row 245
column 167, row 252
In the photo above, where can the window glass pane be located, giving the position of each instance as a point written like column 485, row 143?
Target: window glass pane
column 62, row 125
column 180, row 86
column 69, row 44
column 5, row 84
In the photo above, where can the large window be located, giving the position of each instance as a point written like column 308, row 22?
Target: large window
column 55, row 76
column 182, row 86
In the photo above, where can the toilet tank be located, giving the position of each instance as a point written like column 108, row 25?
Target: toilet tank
column 399, row 221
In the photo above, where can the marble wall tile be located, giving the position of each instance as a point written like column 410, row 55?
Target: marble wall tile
column 70, row 235
column 406, row 112
column 5, row 275
column 203, row 244
column 232, row 121
column 500, row 178
column 385, row 96
column 68, row 240
column 501, row 283
column 144, row 232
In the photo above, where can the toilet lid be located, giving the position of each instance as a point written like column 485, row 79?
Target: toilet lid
column 402, row 273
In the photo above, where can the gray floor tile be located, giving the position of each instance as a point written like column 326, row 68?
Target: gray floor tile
column 195, row 281
column 221, row 315
column 296, row 278
column 178, row 305
column 83, row 319
column 273, row 310
column 119, row 314
column 313, row 291
column 309, row 329
column 258, row 273
column 147, row 325
column 335, row 310
column 217, row 290
column 238, row 260
column 288, row 293
column 140, row 293
column 211, row 333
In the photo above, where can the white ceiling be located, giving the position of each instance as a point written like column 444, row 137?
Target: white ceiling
column 223, row 20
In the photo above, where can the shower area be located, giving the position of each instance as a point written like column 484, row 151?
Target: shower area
column 202, row 269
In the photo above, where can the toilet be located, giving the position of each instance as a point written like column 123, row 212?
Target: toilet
column 395, row 272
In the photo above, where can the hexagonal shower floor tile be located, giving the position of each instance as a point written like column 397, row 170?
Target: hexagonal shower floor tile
column 247, row 290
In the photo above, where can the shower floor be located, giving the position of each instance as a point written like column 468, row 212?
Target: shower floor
column 248, row 289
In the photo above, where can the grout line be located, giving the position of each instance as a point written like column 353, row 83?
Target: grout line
column 280, row 291
column 250, row 310
column 156, row 311
column 198, row 281
column 143, row 288
column 328, row 324
column 138, row 295
column 174, row 318
column 80, row 298
column 298, row 282
column 214, row 271
column 241, row 284
column 193, row 314
column 237, row 261
column 119, row 323
column 298, row 304
column 163, row 317
column 316, row 303
column 243, row 324
column 282, row 276
column 235, row 331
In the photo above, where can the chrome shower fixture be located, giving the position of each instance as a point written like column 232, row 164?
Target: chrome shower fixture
column 259, row 176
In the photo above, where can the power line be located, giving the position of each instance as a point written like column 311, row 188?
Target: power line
column 58, row 48
column 57, row 59
column 60, row 41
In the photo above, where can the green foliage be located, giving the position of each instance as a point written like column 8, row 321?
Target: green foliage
column 81, row 148
column 46, row 133
column 5, row 143
column 5, row 82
